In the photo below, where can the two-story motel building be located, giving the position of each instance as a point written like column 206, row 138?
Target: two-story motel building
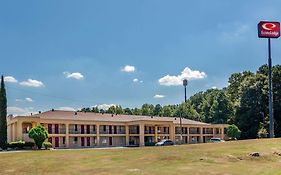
column 69, row 129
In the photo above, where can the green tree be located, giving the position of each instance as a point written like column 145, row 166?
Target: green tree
column 3, row 115
column 128, row 111
column 85, row 110
column 111, row 110
column 197, row 101
column 221, row 109
column 233, row 132
column 167, row 111
column 39, row 134
column 136, row 111
column 119, row 109
column 250, row 112
column 147, row 109
column 186, row 110
column 209, row 98
column 234, row 88
column 157, row 110
column 276, row 79
column 95, row 109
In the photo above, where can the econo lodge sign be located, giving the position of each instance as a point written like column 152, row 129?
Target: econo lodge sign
column 269, row 29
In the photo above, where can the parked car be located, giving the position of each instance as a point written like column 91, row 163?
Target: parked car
column 164, row 143
column 216, row 140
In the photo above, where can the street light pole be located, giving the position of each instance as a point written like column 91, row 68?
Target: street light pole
column 185, row 82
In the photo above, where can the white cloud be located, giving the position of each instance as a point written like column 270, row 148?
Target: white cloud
column 19, row 111
column 66, row 108
column 128, row 68
column 137, row 80
column 214, row 87
column 176, row 80
column 104, row 106
column 74, row 75
column 32, row 83
column 10, row 79
column 29, row 99
column 159, row 96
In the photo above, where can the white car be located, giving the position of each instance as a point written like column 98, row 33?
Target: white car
column 216, row 140
column 164, row 143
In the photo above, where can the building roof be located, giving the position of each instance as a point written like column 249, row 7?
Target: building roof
column 90, row 116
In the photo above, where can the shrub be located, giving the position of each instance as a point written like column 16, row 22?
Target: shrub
column 47, row 145
column 12, row 145
column 39, row 134
column 233, row 132
column 20, row 145
column 29, row 144
column 149, row 143
column 262, row 133
column 17, row 145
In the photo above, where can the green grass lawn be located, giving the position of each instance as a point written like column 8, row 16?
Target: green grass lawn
column 212, row 158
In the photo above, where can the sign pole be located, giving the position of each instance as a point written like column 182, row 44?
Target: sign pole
column 270, row 104
column 269, row 29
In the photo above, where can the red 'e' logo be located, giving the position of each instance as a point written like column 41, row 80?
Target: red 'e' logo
column 269, row 29
column 268, row 26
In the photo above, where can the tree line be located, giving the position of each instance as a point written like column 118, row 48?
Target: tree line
column 244, row 102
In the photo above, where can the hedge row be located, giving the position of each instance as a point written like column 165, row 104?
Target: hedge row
column 20, row 145
column 149, row 143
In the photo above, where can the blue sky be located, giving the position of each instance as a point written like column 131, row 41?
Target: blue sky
column 73, row 54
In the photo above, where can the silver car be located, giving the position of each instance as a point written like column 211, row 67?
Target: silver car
column 216, row 140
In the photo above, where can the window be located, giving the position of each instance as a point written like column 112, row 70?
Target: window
column 63, row 140
column 75, row 127
column 50, row 128
column 115, row 129
column 88, row 129
column 75, row 140
column 82, row 129
column 104, row 128
column 50, row 140
column 82, row 141
column 56, row 128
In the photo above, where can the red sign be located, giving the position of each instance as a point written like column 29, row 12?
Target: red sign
column 269, row 29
